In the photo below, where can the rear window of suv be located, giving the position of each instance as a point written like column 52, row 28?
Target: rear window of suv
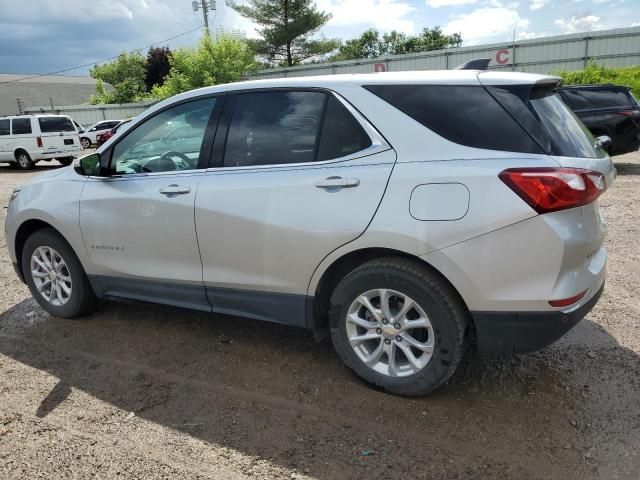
column 464, row 114
column 586, row 99
column 56, row 124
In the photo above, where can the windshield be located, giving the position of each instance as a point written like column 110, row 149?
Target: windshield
column 567, row 134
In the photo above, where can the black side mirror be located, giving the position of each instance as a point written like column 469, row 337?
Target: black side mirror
column 88, row 165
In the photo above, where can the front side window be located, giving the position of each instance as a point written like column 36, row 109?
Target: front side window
column 55, row 124
column 168, row 141
column 4, row 127
column 21, row 126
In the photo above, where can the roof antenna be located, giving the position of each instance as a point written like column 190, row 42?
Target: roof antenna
column 476, row 64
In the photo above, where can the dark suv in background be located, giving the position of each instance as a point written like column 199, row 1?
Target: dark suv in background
column 607, row 110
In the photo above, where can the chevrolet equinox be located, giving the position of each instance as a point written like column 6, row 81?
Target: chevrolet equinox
column 406, row 215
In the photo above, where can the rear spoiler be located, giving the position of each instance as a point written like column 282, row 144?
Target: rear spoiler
column 476, row 64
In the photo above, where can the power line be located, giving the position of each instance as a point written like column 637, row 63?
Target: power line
column 98, row 61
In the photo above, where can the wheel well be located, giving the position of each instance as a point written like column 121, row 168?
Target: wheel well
column 24, row 232
column 341, row 267
column 18, row 150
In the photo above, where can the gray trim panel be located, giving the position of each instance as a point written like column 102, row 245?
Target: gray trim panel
column 283, row 308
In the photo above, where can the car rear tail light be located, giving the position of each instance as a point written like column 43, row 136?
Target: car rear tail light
column 552, row 189
column 630, row 113
column 39, row 140
column 568, row 301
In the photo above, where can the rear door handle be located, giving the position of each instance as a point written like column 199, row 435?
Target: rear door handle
column 337, row 183
column 174, row 190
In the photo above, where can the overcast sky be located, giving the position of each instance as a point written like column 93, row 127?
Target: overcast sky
column 38, row 36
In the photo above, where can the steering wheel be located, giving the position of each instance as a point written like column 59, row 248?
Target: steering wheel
column 165, row 161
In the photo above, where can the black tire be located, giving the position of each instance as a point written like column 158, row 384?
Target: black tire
column 23, row 160
column 82, row 299
column 66, row 161
column 443, row 306
column 85, row 142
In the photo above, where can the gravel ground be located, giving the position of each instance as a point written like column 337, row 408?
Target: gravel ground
column 145, row 391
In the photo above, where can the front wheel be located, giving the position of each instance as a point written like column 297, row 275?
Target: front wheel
column 85, row 143
column 55, row 276
column 398, row 325
column 66, row 161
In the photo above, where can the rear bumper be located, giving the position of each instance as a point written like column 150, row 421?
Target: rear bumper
column 521, row 332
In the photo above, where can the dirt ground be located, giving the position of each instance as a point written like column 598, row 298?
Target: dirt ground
column 144, row 391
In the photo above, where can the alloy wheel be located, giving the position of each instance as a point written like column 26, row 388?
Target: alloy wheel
column 51, row 275
column 390, row 332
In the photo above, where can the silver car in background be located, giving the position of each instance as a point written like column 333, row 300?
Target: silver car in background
column 405, row 215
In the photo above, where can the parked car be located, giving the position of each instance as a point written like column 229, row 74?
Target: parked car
column 104, row 136
column 361, row 207
column 27, row 139
column 79, row 127
column 609, row 110
column 89, row 136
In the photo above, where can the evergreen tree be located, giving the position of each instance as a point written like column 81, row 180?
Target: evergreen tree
column 287, row 28
column 157, row 66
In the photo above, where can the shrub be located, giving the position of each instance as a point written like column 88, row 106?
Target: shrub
column 626, row 76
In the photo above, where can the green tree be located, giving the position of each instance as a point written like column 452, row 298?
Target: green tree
column 287, row 28
column 372, row 44
column 227, row 59
column 157, row 67
column 125, row 73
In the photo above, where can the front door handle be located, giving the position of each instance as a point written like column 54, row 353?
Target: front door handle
column 337, row 183
column 174, row 190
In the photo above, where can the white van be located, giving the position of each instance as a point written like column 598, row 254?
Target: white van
column 27, row 139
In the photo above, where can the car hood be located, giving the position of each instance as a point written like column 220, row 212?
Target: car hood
column 64, row 173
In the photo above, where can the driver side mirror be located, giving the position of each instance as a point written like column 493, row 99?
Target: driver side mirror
column 88, row 165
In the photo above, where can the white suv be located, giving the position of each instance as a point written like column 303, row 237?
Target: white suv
column 27, row 139
column 406, row 215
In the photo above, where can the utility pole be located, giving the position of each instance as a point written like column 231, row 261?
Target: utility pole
column 206, row 5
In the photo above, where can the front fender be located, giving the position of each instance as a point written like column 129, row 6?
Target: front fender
column 54, row 202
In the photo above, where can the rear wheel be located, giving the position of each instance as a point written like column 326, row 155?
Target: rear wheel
column 23, row 160
column 398, row 325
column 55, row 276
column 66, row 161
column 85, row 142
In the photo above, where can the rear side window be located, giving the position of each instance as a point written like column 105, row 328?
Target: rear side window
column 594, row 98
column 55, row 124
column 463, row 114
column 4, row 127
column 269, row 128
column 342, row 135
column 21, row 126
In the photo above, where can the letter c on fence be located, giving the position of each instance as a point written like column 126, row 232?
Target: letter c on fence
column 502, row 56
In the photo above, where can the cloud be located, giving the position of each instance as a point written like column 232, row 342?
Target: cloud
column 485, row 24
column 538, row 4
column 448, row 3
column 581, row 22
column 382, row 14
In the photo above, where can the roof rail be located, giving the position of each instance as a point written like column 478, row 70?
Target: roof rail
column 475, row 64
